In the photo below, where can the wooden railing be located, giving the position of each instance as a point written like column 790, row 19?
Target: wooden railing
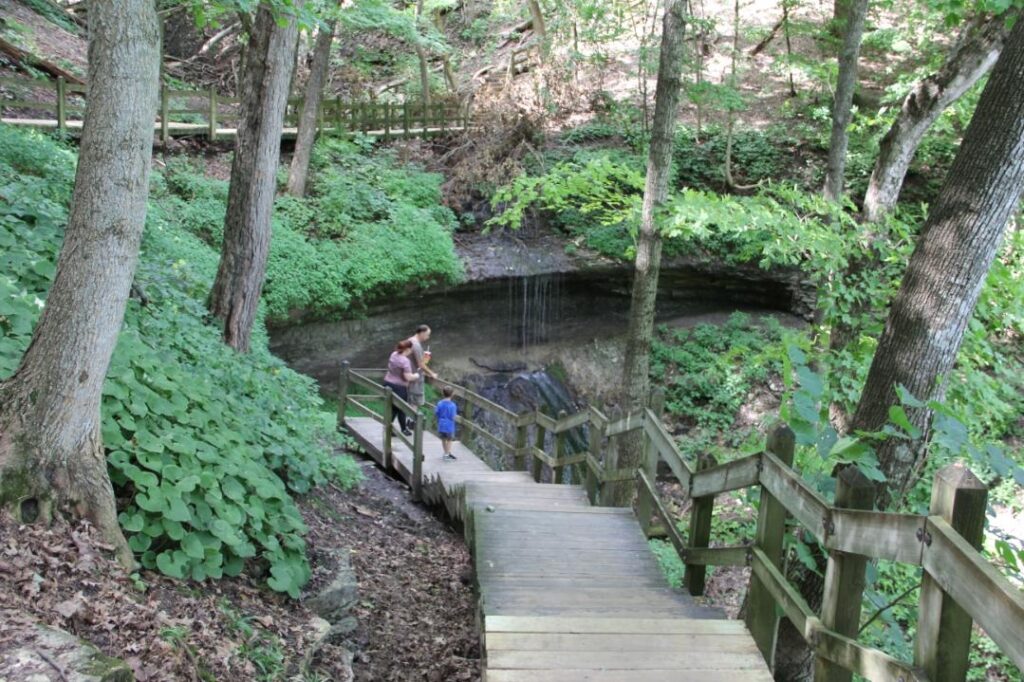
column 958, row 586
column 205, row 113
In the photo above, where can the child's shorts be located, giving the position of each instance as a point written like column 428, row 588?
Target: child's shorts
column 446, row 435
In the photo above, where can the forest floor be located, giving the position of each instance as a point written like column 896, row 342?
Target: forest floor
column 415, row 607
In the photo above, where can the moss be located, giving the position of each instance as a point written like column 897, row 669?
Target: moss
column 15, row 486
column 108, row 669
column 557, row 371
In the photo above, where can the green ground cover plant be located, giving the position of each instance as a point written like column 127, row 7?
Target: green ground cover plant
column 207, row 448
column 369, row 227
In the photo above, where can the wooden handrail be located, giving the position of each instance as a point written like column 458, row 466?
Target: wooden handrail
column 957, row 570
column 206, row 106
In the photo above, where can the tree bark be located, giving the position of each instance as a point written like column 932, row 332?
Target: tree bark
column 539, row 29
column 264, row 93
column 971, row 58
column 948, row 267
column 843, row 103
column 310, row 110
column 635, row 380
column 51, row 451
column 421, row 54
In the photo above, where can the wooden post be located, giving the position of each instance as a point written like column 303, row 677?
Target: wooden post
column 762, row 616
column 443, row 110
column 558, row 472
column 943, row 627
column 539, row 444
column 844, row 576
column 611, row 458
column 388, row 415
column 644, row 503
column 62, row 113
column 520, row 458
column 417, row 458
column 213, row 114
column 426, row 119
column 165, row 108
column 352, row 114
column 406, row 117
column 594, row 436
column 387, row 121
column 701, row 512
column 338, row 121
column 342, row 392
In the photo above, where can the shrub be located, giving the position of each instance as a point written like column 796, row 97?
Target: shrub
column 206, row 446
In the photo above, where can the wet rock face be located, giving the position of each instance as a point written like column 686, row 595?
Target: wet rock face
column 497, row 323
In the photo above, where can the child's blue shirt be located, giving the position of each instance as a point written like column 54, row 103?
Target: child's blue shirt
column 446, row 411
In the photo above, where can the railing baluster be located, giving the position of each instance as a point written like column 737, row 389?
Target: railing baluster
column 943, row 641
column 762, row 617
column 844, row 576
column 701, row 513
column 388, row 416
column 417, row 458
column 342, row 392
column 538, row 444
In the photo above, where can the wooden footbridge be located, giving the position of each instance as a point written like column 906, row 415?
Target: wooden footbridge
column 60, row 105
column 569, row 590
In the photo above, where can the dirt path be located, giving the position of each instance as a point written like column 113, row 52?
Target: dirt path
column 416, row 605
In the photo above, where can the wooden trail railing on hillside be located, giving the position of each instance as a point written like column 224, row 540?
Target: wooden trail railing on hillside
column 205, row 113
column 958, row 586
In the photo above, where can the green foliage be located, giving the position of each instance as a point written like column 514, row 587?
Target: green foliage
column 708, row 371
column 756, row 155
column 671, row 565
column 53, row 13
column 369, row 226
column 206, row 446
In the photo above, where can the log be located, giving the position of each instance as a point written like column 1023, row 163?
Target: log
column 29, row 59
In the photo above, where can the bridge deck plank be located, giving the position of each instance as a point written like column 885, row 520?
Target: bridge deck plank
column 570, row 592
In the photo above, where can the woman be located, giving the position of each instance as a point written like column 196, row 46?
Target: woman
column 398, row 377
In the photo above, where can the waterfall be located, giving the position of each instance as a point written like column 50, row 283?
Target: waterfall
column 534, row 307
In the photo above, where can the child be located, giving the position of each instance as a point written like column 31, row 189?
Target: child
column 446, row 411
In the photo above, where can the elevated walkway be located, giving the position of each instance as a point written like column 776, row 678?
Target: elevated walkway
column 568, row 591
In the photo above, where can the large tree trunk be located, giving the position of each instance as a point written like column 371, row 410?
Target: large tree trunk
column 635, row 381
column 843, row 103
column 944, row 277
column 51, row 452
column 970, row 59
column 243, row 260
column 310, row 110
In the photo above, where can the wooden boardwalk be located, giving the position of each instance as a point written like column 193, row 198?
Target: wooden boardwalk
column 177, row 129
column 568, row 592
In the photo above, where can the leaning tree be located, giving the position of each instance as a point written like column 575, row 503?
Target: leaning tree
column 51, row 452
column 943, row 280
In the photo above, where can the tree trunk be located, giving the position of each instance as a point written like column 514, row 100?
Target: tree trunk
column 843, row 103
column 539, row 29
column 310, row 111
column 51, row 451
column 264, row 94
column 944, row 277
column 635, row 381
column 421, row 54
column 969, row 60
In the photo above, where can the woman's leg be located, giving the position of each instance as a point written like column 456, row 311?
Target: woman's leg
column 397, row 414
column 403, row 419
